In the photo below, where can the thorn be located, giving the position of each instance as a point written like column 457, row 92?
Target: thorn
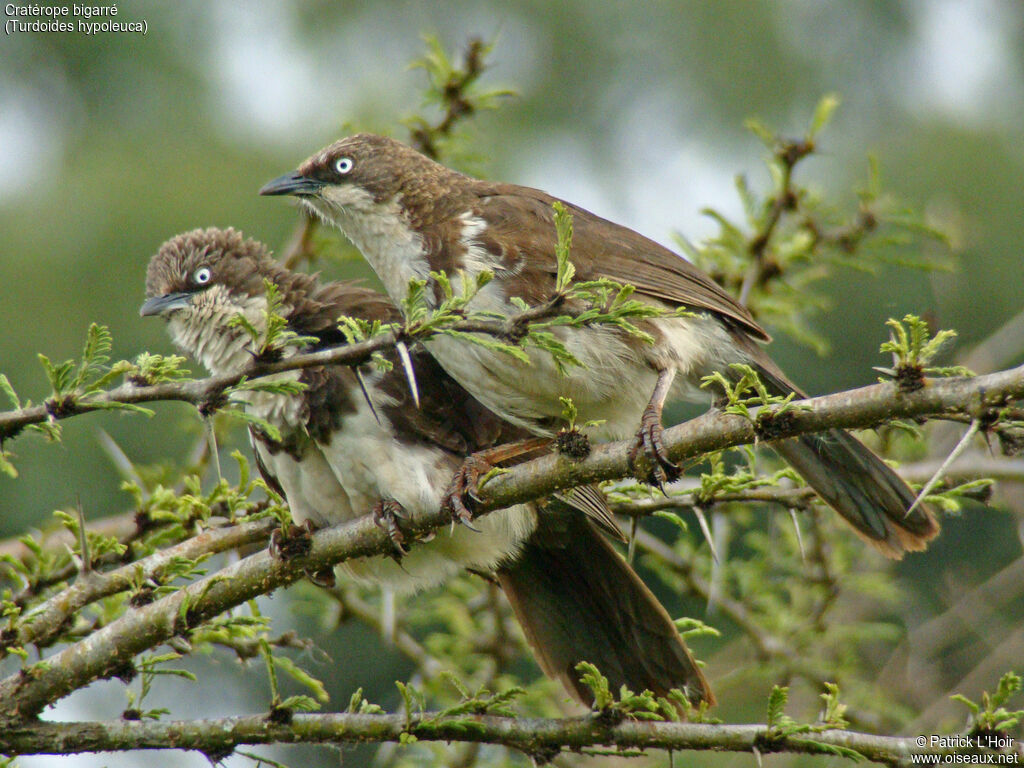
column 121, row 461
column 631, row 548
column 799, row 535
column 211, row 434
column 388, row 616
column 941, row 471
column 706, row 530
column 83, row 541
column 366, row 394
column 721, row 529
column 410, row 374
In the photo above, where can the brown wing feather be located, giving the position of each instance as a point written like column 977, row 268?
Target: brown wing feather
column 448, row 416
column 521, row 222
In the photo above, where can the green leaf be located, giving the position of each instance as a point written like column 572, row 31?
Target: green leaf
column 154, row 369
column 563, row 229
column 759, row 129
column 672, row 517
column 488, row 342
column 95, row 354
column 777, row 706
column 301, row 676
column 591, row 677
column 5, row 464
column 242, row 415
column 59, row 376
column 114, row 405
column 834, row 710
column 823, row 113
column 357, row 704
column 1009, row 686
column 300, row 704
column 7, row 389
column 689, row 628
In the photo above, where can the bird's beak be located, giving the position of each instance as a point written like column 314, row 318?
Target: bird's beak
column 292, row 184
column 162, row 305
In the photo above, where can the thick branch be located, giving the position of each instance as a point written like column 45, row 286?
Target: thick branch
column 46, row 621
column 110, row 650
column 197, row 391
column 534, row 736
column 859, row 408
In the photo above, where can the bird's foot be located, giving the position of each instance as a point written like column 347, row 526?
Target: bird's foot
column 296, row 542
column 291, row 542
column 461, row 496
column 659, row 468
column 386, row 514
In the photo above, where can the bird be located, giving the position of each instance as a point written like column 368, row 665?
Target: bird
column 411, row 216
column 356, row 440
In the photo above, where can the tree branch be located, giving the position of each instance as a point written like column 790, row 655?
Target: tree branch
column 45, row 622
column 201, row 392
column 112, row 647
column 866, row 407
column 543, row 738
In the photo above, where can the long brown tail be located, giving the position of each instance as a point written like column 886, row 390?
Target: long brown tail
column 578, row 600
column 862, row 488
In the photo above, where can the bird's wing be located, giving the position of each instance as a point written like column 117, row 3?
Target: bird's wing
column 317, row 309
column 591, row 501
column 521, row 230
column 447, row 416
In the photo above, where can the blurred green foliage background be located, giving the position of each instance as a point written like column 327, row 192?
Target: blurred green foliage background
column 110, row 144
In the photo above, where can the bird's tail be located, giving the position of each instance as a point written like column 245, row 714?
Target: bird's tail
column 862, row 488
column 578, row 600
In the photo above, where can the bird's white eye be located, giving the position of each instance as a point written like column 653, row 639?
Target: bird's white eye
column 343, row 165
column 202, row 275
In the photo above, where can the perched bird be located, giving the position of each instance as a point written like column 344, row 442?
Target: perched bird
column 353, row 440
column 409, row 216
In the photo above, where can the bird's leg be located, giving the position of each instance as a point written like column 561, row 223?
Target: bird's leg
column 295, row 542
column 649, row 437
column 386, row 514
column 461, row 495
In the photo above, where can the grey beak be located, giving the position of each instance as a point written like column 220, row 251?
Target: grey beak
column 161, row 305
column 292, row 184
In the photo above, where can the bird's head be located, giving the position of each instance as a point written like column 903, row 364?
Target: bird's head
column 364, row 176
column 199, row 281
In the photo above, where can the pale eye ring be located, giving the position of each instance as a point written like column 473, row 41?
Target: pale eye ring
column 343, row 165
column 202, row 275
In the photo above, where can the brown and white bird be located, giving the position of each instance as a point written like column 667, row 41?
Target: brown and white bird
column 348, row 446
column 410, row 216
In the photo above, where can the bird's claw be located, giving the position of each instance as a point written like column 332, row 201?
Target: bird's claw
column 292, row 542
column 461, row 496
column 386, row 514
column 649, row 440
column 295, row 542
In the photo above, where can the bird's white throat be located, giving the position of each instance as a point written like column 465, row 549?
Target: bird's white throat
column 380, row 231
